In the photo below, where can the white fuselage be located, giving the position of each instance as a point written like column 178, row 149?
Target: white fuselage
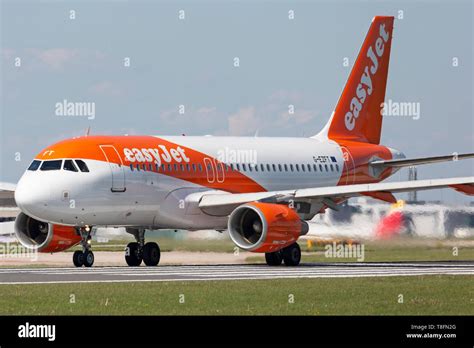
column 159, row 199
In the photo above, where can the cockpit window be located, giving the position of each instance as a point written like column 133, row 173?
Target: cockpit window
column 82, row 165
column 51, row 165
column 34, row 165
column 69, row 165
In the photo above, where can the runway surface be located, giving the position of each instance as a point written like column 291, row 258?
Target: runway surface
column 228, row 272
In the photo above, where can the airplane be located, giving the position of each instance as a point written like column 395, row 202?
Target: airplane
column 263, row 190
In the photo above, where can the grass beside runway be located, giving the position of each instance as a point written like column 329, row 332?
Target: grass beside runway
column 422, row 295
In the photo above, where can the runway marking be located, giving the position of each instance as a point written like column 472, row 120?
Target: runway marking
column 131, row 273
column 263, row 267
column 227, row 272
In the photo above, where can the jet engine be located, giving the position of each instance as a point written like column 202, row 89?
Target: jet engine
column 43, row 236
column 265, row 227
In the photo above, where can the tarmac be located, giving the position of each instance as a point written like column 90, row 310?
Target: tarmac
column 114, row 274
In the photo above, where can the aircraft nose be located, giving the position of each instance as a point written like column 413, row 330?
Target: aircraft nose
column 31, row 197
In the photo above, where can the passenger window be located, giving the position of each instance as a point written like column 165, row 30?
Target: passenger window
column 297, row 167
column 194, row 167
column 250, row 167
column 150, row 166
column 309, row 167
column 279, row 167
column 138, row 167
column 131, row 167
column 82, row 166
column 332, row 168
column 291, row 167
column 34, row 165
column 315, row 167
column 181, row 167
column 286, row 167
column 157, row 167
column 69, row 165
column 144, row 166
column 337, row 167
column 175, row 167
column 274, row 167
column 302, row 167
column 200, row 167
column 262, row 168
column 169, row 167
column 237, row 166
column 320, row 167
column 244, row 167
column 51, row 165
column 268, row 167
column 326, row 167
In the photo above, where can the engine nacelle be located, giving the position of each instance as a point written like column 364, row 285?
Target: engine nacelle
column 265, row 227
column 43, row 236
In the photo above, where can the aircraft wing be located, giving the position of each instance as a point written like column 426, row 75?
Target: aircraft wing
column 465, row 185
column 335, row 193
column 404, row 162
column 7, row 190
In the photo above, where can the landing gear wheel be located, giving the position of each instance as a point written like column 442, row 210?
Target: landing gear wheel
column 132, row 254
column 292, row 255
column 274, row 259
column 78, row 258
column 151, row 254
column 88, row 258
column 85, row 257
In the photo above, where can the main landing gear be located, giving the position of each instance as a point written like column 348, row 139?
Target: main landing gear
column 139, row 251
column 291, row 255
column 86, row 256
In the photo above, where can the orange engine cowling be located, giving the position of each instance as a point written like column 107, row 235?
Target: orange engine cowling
column 265, row 227
column 43, row 236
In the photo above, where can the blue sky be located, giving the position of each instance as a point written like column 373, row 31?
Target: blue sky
column 190, row 62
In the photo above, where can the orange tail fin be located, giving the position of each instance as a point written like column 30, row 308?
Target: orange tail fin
column 358, row 112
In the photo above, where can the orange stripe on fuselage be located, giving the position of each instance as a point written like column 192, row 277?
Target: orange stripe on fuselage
column 88, row 148
column 357, row 172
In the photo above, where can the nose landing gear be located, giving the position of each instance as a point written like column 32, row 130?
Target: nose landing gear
column 86, row 256
column 139, row 251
